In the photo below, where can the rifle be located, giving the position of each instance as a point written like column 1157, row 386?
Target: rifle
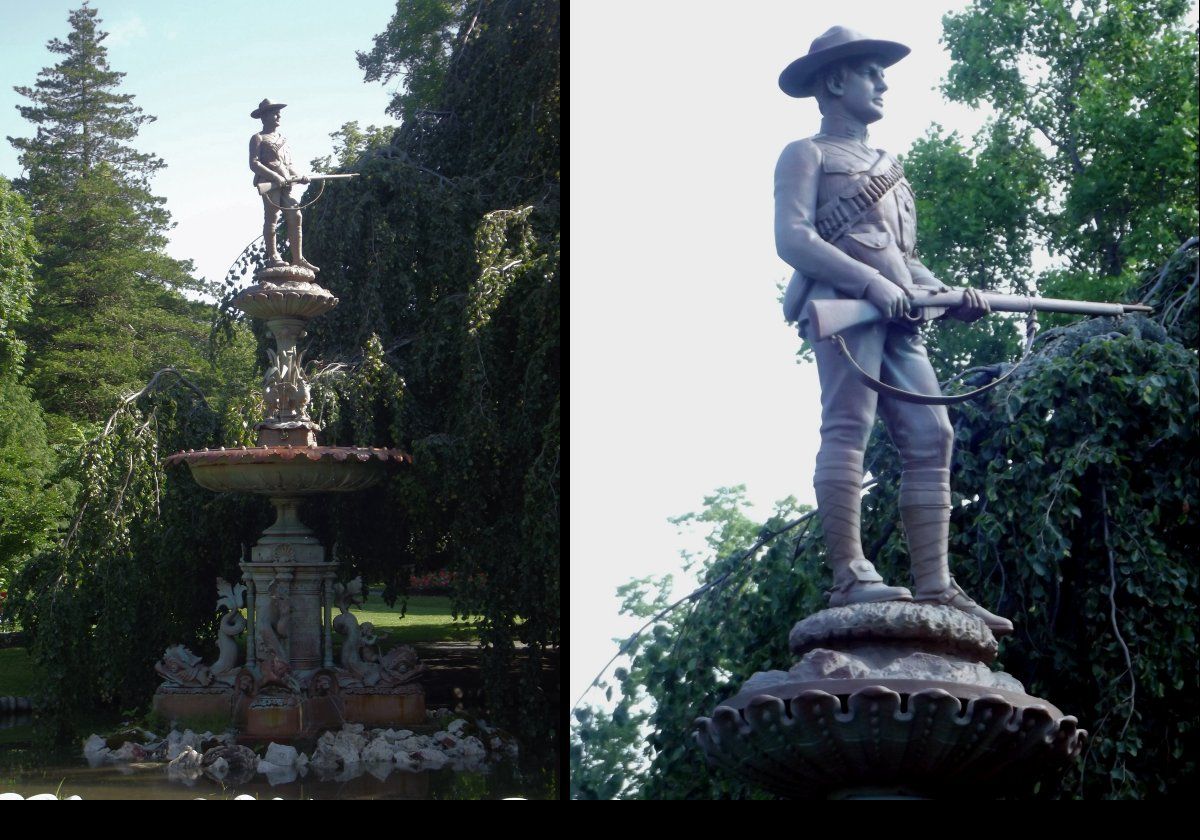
column 829, row 317
column 267, row 186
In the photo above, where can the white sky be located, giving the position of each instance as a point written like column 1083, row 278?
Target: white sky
column 201, row 68
column 684, row 373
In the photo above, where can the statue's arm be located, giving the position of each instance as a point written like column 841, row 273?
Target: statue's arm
column 260, row 168
column 797, row 177
column 922, row 277
column 974, row 305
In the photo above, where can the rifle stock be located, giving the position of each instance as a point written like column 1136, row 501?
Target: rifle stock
column 830, row 317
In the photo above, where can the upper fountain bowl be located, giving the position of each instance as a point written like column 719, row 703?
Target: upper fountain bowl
column 289, row 470
column 285, row 300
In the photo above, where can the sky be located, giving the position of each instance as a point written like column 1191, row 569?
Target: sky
column 201, row 68
column 684, row 375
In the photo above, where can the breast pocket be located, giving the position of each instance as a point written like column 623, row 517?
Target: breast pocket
column 873, row 239
column 878, row 249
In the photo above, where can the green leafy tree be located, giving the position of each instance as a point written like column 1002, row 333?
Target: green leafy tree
column 116, row 558
column 134, row 568
column 979, row 216
column 416, row 47
column 1110, row 86
column 17, row 251
column 108, row 310
column 350, row 142
column 30, row 504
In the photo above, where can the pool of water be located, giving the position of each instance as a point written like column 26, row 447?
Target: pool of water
column 29, row 769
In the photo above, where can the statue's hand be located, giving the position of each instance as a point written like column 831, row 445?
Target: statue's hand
column 890, row 299
column 302, row 180
column 973, row 307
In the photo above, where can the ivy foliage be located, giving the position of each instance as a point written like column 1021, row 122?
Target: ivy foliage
column 1074, row 491
column 444, row 254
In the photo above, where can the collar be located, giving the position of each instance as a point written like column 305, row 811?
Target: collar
column 844, row 128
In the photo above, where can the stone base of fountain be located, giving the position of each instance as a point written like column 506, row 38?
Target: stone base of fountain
column 888, row 700
column 288, row 684
column 284, row 715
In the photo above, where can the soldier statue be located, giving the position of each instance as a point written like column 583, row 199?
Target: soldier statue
column 845, row 221
column 274, row 175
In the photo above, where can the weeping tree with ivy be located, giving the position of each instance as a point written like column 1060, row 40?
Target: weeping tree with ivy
column 1075, row 487
column 445, row 255
column 1075, row 481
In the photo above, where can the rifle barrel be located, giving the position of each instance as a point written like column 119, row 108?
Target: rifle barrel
column 1023, row 303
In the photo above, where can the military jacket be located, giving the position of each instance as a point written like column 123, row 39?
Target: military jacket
column 882, row 240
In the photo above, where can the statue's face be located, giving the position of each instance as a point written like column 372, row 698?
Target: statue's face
column 862, row 90
column 271, row 120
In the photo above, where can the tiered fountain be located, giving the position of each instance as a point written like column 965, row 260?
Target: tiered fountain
column 289, row 684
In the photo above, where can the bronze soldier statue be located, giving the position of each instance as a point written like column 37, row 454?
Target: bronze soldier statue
column 271, row 162
column 845, row 220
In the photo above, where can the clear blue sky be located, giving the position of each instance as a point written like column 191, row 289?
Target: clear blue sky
column 201, row 68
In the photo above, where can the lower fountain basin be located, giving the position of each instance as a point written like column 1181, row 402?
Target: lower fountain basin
column 289, row 470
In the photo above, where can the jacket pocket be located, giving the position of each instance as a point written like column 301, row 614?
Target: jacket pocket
column 872, row 238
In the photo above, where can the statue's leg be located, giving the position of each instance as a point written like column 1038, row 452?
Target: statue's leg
column 847, row 415
column 925, row 438
column 295, row 224
column 270, row 220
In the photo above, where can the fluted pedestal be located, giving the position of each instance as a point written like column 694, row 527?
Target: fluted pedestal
column 889, row 700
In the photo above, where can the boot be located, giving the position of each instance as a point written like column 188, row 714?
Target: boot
column 855, row 580
column 296, row 234
column 271, row 251
column 925, row 511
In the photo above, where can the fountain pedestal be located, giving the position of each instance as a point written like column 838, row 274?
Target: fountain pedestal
column 888, row 700
column 290, row 682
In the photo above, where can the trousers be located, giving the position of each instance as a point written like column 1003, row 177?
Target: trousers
column 893, row 353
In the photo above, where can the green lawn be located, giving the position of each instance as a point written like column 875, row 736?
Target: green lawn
column 428, row 620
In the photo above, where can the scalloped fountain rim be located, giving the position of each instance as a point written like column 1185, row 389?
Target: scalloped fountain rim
column 288, row 470
column 286, row 452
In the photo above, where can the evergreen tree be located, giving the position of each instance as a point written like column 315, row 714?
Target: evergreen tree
column 107, row 308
